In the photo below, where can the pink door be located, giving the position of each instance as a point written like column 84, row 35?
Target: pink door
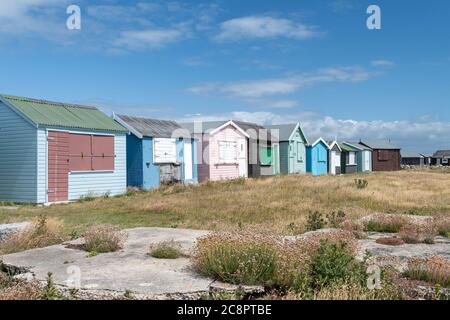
column 58, row 166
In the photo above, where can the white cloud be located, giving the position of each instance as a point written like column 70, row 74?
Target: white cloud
column 382, row 63
column 148, row 39
column 410, row 135
column 263, row 27
column 31, row 17
column 284, row 85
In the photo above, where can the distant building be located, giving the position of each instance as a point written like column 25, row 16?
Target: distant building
column 413, row 159
column 441, row 157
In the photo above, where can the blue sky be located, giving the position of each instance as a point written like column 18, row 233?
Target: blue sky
column 262, row 61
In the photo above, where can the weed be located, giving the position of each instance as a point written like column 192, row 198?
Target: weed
column 315, row 221
column 335, row 219
column 103, row 238
column 361, row 183
column 333, row 263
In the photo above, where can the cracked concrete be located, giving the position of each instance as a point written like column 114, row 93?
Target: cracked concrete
column 128, row 269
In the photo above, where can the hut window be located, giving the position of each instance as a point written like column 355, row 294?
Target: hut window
column 351, row 159
column 91, row 153
column 164, row 150
column 265, row 156
column 228, row 152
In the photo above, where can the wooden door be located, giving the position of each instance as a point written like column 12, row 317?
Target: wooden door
column 58, row 166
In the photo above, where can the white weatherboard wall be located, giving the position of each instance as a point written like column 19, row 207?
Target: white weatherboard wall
column 89, row 183
column 18, row 181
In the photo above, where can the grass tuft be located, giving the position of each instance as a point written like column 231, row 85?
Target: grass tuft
column 166, row 250
column 103, row 238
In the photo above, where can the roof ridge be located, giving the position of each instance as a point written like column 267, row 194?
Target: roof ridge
column 48, row 102
column 145, row 118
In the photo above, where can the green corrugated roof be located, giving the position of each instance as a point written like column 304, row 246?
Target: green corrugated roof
column 347, row 148
column 55, row 114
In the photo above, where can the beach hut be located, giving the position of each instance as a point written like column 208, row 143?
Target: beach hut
column 55, row 152
column 263, row 150
column 317, row 157
column 292, row 147
column 385, row 155
column 159, row 152
column 364, row 156
column 349, row 158
column 222, row 150
column 335, row 158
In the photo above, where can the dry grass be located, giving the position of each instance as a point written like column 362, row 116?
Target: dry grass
column 271, row 204
column 41, row 233
column 386, row 223
column 443, row 226
column 419, row 233
column 435, row 270
column 261, row 259
column 103, row 238
column 21, row 290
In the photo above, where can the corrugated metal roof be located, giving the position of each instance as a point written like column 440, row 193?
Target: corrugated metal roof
column 441, row 154
column 152, row 127
column 357, row 145
column 285, row 130
column 347, row 148
column 409, row 154
column 380, row 145
column 56, row 114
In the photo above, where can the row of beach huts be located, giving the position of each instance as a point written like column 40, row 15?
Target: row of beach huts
column 55, row 152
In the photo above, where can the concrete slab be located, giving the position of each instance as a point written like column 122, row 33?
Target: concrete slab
column 129, row 269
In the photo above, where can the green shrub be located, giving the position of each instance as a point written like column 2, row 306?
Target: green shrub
column 166, row 250
column 333, row 263
column 315, row 221
column 361, row 183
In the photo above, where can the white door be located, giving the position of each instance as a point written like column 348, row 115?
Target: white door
column 366, row 161
column 188, row 160
column 335, row 161
column 242, row 157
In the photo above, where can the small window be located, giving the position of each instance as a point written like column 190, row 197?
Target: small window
column 91, row 153
column 228, row 152
column 265, row 156
column 351, row 159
